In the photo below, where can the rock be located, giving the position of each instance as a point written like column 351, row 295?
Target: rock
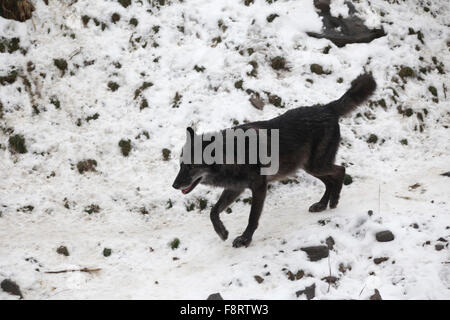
column 256, row 101
column 107, row 252
column 11, row 287
column 19, row 10
column 278, row 63
column 330, row 243
column 259, row 279
column 376, row 295
column 63, row 251
column 446, row 174
column 384, row 236
column 17, row 144
column 317, row 69
column 342, row 31
column 115, row 17
column 291, row 276
column 316, row 253
column 380, row 260
column 86, row 165
column 439, row 247
column 309, row 292
column 215, row 296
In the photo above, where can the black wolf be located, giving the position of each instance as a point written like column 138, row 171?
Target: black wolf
column 308, row 139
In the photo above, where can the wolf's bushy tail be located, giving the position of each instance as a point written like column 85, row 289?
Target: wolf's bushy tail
column 361, row 89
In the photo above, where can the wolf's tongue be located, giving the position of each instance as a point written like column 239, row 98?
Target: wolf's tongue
column 187, row 189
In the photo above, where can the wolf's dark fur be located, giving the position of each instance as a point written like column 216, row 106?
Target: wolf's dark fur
column 308, row 139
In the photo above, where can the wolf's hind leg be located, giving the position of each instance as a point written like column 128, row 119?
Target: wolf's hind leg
column 226, row 198
column 338, row 180
column 333, row 177
column 323, row 203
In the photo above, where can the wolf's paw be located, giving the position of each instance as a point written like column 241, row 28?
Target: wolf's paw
column 241, row 241
column 317, row 207
column 334, row 203
column 221, row 231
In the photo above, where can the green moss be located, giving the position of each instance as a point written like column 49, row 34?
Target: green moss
column 125, row 3
column 61, row 64
column 11, row 45
column 107, row 252
column 190, row 206
column 272, row 17
column 228, row 210
column 433, row 90
column 63, row 251
column 17, row 144
column 247, row 200
column 156, row 29
column 113, row 86
column 238, row 84
column 202, row 203
column 199, row 68
column 143, row 87
column 95, row 116
column 404, row 142
column 55, row 101
column 166, row 154
column 382, row 103
column 10, row 78
column 409, row 112
column 372, row 138
column 326, row 50
column 144, row 104
column 248, row 2
column 93, row 208
column 406, row 72
column 134, row 22
column 217, row 40
column 115, row 17
column 85, row 19
column 348, row 179
column 125, row 147
column 176, row 100
column 175, row 243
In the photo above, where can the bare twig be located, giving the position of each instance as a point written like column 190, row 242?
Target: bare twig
column 89, row 270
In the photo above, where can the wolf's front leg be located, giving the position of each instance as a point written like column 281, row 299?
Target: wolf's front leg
column 227, row 197
column 259, row 190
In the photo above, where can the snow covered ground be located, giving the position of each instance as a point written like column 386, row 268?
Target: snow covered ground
column 193, row 52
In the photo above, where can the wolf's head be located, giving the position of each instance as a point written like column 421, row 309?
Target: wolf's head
column 191, row 172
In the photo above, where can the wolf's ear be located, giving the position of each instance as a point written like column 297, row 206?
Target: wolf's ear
column 190, row 133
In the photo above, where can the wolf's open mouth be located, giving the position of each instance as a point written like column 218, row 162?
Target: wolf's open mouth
column 191, row 187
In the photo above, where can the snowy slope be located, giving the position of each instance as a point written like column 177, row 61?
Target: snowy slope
column 140, row 214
